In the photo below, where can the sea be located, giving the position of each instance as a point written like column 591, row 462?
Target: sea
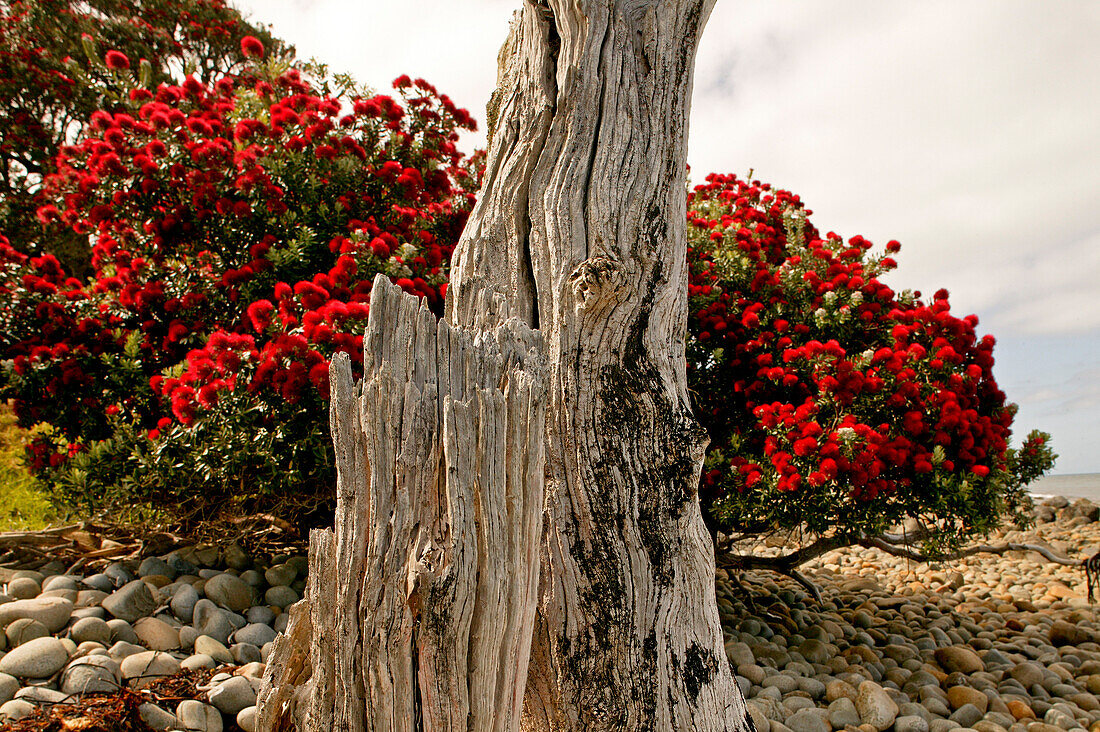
column 1074, row 485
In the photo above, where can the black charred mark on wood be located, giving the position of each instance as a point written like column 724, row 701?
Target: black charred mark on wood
column 699, row 669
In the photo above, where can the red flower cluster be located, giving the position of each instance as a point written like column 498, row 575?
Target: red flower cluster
column 233, row 252
column 821, row 385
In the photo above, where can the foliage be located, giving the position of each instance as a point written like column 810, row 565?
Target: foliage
column 22, row 506
column 52, row 78
column 238, row 220
column 237, row 227
column 834, row 403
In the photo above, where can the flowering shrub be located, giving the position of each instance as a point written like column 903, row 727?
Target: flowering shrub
column 834, row 403
column 237, row 226
column 238, row 220
column 52, row 79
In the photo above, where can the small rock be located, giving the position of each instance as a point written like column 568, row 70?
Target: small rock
column 257, row 634
column 156, row 565
column 157, row 635
column 1019, row 709
column 234, row 694
column 42, row 695
column 122, row 649
column 40, row 658
column 959, row 696
column 808, row 720
column 25, row 629
column 8, row 686
column 246, row 719
column 211, row 647
column 265, row 616
column 91, row 674
column 966, row 715
column 183, row 602
column 842, row 713
column 281, row 575
column 959, row 658
column 90, row 629
column 229, row 592
column 100, row 582
column 53, row 612
column 23, row 588
column 913, row 723
column 1061, row 634
column 236, row 557
column 875, row 706
column 60, row 582
column 199, row 660
column 141, row 669
column 122, row 631
column 244, row 653
column 134, row 600
column 1027, row 673
column 15, row 709
column 281, row 597
column 157, row 718
column 194, row 715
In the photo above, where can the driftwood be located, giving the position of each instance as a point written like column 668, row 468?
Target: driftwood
column 421, row 603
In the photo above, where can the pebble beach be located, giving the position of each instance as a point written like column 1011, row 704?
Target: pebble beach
column 992, row 643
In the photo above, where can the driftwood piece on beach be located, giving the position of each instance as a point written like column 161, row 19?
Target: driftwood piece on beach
column 421, row 603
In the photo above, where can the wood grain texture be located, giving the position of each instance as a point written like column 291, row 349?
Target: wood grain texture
column 581, row 228
column 421, row 606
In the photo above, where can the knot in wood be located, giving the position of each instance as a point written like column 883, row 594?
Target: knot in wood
column 597, row 280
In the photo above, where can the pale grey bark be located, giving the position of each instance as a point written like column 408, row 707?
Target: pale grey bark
column 580, row 233
column 421, row 604
column 584, row 202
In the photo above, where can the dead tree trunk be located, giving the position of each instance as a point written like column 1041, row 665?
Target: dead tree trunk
column 420, row 606
column 581, row 227
column 579, row 233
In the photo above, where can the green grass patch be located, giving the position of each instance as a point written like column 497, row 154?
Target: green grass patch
column 23, row 507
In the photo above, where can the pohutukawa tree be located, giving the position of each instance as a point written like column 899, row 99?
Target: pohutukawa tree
column 568, row 295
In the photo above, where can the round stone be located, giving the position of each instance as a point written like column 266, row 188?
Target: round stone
column 194, row 715
column 199, row 660
column 260, row 614
column 156, row 635
column 23, row 588
column 25, row 629
column 157, row 718
column 229, row 592
column 15, row 709
column 808, row 720
column 246, row 719
column 233, row 695
column 875, row 706
column 281, row 575
column 91, row 629
column 213, row 648
column 281, row 596
column 53, row 612
column 143, row 668
column 122, row 631
column 91, row 674
column 156, row 566
column 183, row 602
column 132, row 601
column 255, row 633
column 8, row 686
column 40, row 658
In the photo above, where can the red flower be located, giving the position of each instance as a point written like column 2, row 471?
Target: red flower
column 252, row 47
column 117, row 61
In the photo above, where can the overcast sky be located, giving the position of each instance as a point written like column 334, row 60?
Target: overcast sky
column 969, row 130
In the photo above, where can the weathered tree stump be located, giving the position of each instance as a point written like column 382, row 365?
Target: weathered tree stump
column 421, row 604
column 580, row 234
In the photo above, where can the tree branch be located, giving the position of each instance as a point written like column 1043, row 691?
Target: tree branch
column 879, row 542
